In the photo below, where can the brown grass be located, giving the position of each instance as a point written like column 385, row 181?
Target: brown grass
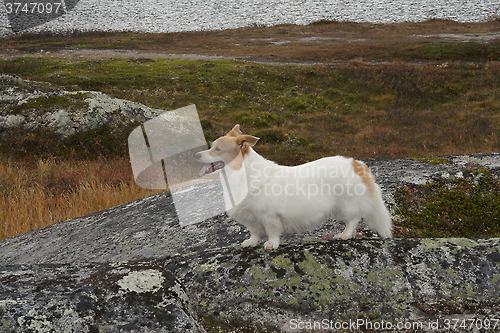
column 42, row 193
column 330, row 42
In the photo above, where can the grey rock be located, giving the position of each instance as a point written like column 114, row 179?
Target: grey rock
column 60, row 121
column 138, row 297
column 391, row 280
column 113, row 270
column 12, row 120
column 147, row 228
column 93, row 111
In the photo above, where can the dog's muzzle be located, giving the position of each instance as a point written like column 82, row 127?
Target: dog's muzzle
column 209, row 167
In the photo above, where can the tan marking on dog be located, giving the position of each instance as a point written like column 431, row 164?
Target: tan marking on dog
column 229, row 151
column 246, row 141
column 233, row 147
column 235, row 131
column 366, row 175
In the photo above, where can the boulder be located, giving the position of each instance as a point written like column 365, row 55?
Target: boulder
column 30, row 105
column 392, row 281
column 116, row 297
column 135, row 268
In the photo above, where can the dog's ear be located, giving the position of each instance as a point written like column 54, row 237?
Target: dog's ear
column 235, row 131
column 246, row 140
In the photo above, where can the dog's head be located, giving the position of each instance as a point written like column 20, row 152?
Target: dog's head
column 229, row 150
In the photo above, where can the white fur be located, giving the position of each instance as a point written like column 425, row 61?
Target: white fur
column 283, row 200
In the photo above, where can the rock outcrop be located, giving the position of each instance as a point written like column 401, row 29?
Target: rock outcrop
column 138, row 297
column 134, row 268
column 28, row 105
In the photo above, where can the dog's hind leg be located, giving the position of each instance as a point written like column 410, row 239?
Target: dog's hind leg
column 274, row 229
column 349, row 231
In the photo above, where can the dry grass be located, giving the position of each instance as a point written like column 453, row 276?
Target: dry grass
column 42, row 193
column 327, row 41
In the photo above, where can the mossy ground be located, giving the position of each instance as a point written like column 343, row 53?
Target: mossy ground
column 216, row 324
column 327, row 41
column 433, row 160
column 103, row 142
column 460, row 207
column 304, row 113
column 45, row 103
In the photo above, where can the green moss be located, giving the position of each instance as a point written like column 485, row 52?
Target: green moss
column 259, row 274
column 73, row 101
column 433, row 243
column 313, row 268
column 463, row 207
column 464, row 242
column 457, row 51
column 372, row 276
column 392, row 272
column 208, row 267
column 218, row 323
column 281, row 262
column 320, row 286
column 277, row 283
column 469, row 289
column 5, row 325
column 293, row 280
column 432, row 160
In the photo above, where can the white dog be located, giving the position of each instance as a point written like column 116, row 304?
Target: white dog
column 280, row 199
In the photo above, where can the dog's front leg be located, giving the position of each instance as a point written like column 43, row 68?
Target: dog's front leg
column 251, row 242
column 274, row 229
column 255, row 234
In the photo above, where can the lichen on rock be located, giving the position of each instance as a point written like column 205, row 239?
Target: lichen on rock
column 65, row 112
column 142, row 281
column 382, row 279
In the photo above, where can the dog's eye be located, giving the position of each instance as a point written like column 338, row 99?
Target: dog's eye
column 217, row 149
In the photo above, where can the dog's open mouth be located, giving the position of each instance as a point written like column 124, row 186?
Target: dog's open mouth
column 211, row 167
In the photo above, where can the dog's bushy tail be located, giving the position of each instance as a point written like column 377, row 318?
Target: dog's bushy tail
column 380, row 218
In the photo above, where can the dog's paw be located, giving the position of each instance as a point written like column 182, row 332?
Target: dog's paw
column 341, row 236
column 271, row 245
column 249, row 243
column 344, row 235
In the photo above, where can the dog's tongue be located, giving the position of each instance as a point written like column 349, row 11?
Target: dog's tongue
column 205, row 168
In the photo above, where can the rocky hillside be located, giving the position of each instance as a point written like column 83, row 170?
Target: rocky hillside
column 134, row 268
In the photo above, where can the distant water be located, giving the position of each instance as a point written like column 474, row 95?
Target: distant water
column 193, row 15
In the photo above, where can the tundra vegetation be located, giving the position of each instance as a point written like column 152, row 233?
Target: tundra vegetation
column 394, row 90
